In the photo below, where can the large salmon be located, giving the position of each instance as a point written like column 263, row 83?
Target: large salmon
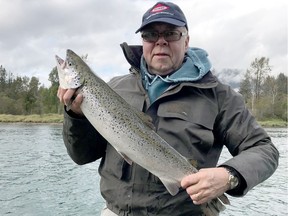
column 128, row 130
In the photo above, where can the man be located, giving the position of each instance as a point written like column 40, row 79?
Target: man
column 190, row 109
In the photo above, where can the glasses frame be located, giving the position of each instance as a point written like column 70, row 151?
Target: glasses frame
column 164, row 34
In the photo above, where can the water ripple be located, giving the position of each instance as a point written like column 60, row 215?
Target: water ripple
column 38, row 177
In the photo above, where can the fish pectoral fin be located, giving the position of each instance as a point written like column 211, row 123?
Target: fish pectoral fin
column 127, row 159
column 172, row 187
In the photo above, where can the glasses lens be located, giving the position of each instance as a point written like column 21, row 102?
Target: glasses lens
column 150, row 36
column 172, row 35
column 168, row 36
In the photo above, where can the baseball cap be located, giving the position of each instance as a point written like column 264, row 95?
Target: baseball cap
column 166, row 12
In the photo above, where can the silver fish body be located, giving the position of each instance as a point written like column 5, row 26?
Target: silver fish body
column 126, row 129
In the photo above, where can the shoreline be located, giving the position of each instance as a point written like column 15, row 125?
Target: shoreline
column 32, row 119
column 58, row 119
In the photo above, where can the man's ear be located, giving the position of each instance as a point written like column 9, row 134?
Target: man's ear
column 187, row 43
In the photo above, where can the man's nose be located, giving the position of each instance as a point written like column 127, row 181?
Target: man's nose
column 161, row 40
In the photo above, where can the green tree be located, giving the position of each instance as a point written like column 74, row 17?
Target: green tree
column 3, row 78
column 246, row 87
column 271, row 90
column 259, row 69
column 280, row 109
column 48, row 96
column 31, row 105
column 53, row 77
column 282, row 83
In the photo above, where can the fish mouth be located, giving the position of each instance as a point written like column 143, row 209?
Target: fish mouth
column 60, row 61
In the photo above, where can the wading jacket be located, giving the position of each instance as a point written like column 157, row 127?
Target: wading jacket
column 197, row 119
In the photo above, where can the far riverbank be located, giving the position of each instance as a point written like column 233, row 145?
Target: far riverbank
column 46, row 118
column 58, row 118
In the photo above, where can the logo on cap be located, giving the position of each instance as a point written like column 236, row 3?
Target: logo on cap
column 159, row 8
column 164, row 12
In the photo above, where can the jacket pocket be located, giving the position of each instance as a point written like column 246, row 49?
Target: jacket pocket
column 187, row 128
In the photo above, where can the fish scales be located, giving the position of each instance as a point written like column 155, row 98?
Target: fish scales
column 125, row 128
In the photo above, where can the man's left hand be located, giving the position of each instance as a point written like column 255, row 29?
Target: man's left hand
column 206, row 184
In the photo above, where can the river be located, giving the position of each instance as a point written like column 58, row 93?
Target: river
column 37, row 177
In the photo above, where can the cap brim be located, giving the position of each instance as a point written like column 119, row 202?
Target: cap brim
column 164, row 20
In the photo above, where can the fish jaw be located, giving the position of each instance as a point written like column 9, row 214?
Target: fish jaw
column 60, row 64
column 59, row 61
column 68, row 76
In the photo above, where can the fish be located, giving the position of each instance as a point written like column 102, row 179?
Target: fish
column 128, row 130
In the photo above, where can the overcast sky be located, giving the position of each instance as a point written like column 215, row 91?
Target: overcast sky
column 233, row 32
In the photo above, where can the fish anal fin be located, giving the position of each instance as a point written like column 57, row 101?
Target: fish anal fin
column 172, row 187
column 127, row 159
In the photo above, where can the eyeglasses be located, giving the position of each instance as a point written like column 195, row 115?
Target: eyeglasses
column 153, row 36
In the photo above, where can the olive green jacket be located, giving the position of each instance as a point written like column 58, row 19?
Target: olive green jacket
column 197, row 119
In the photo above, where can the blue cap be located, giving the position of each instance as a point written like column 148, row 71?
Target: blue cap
column 165, row 12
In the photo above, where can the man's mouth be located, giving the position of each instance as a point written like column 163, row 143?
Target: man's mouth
column 161, row 54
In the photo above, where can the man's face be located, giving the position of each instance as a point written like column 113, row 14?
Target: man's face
column 163, row 57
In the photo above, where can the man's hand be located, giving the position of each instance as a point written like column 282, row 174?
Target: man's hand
column 69, row 98
column 206, row 185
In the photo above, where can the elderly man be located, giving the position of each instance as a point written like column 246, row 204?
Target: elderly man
column 190, row 109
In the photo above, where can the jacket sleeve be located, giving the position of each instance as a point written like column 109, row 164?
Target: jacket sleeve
column 83, row 143
column 255, row 157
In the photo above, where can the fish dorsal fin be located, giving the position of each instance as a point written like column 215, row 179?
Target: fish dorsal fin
column 193, row 162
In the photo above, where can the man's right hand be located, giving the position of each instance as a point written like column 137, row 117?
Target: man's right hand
column 70, row 98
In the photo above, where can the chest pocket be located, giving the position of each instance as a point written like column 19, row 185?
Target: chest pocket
column 188, row 126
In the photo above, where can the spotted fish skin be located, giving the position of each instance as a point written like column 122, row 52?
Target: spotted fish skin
column 126, row 129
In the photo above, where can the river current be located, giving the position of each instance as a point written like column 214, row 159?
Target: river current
column 38, row 178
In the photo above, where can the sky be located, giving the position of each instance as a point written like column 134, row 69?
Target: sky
column 233, row 33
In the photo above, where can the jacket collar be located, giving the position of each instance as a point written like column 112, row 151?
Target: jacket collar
column 133, row 56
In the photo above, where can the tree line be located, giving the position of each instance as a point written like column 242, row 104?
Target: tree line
column 24, row 96
column 265, row 95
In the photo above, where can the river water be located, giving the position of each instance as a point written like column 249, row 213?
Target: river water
column 37, row 177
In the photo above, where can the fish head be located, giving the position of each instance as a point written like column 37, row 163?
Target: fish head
column 68, row 70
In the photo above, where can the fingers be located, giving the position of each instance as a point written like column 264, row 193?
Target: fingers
column 199, row 198
column 189, row 180
column 195, row 188
column 65, row 95
column 60, row 94
column 205, row 185
column 75, row 105
column 71, row 99
column 191, row 184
